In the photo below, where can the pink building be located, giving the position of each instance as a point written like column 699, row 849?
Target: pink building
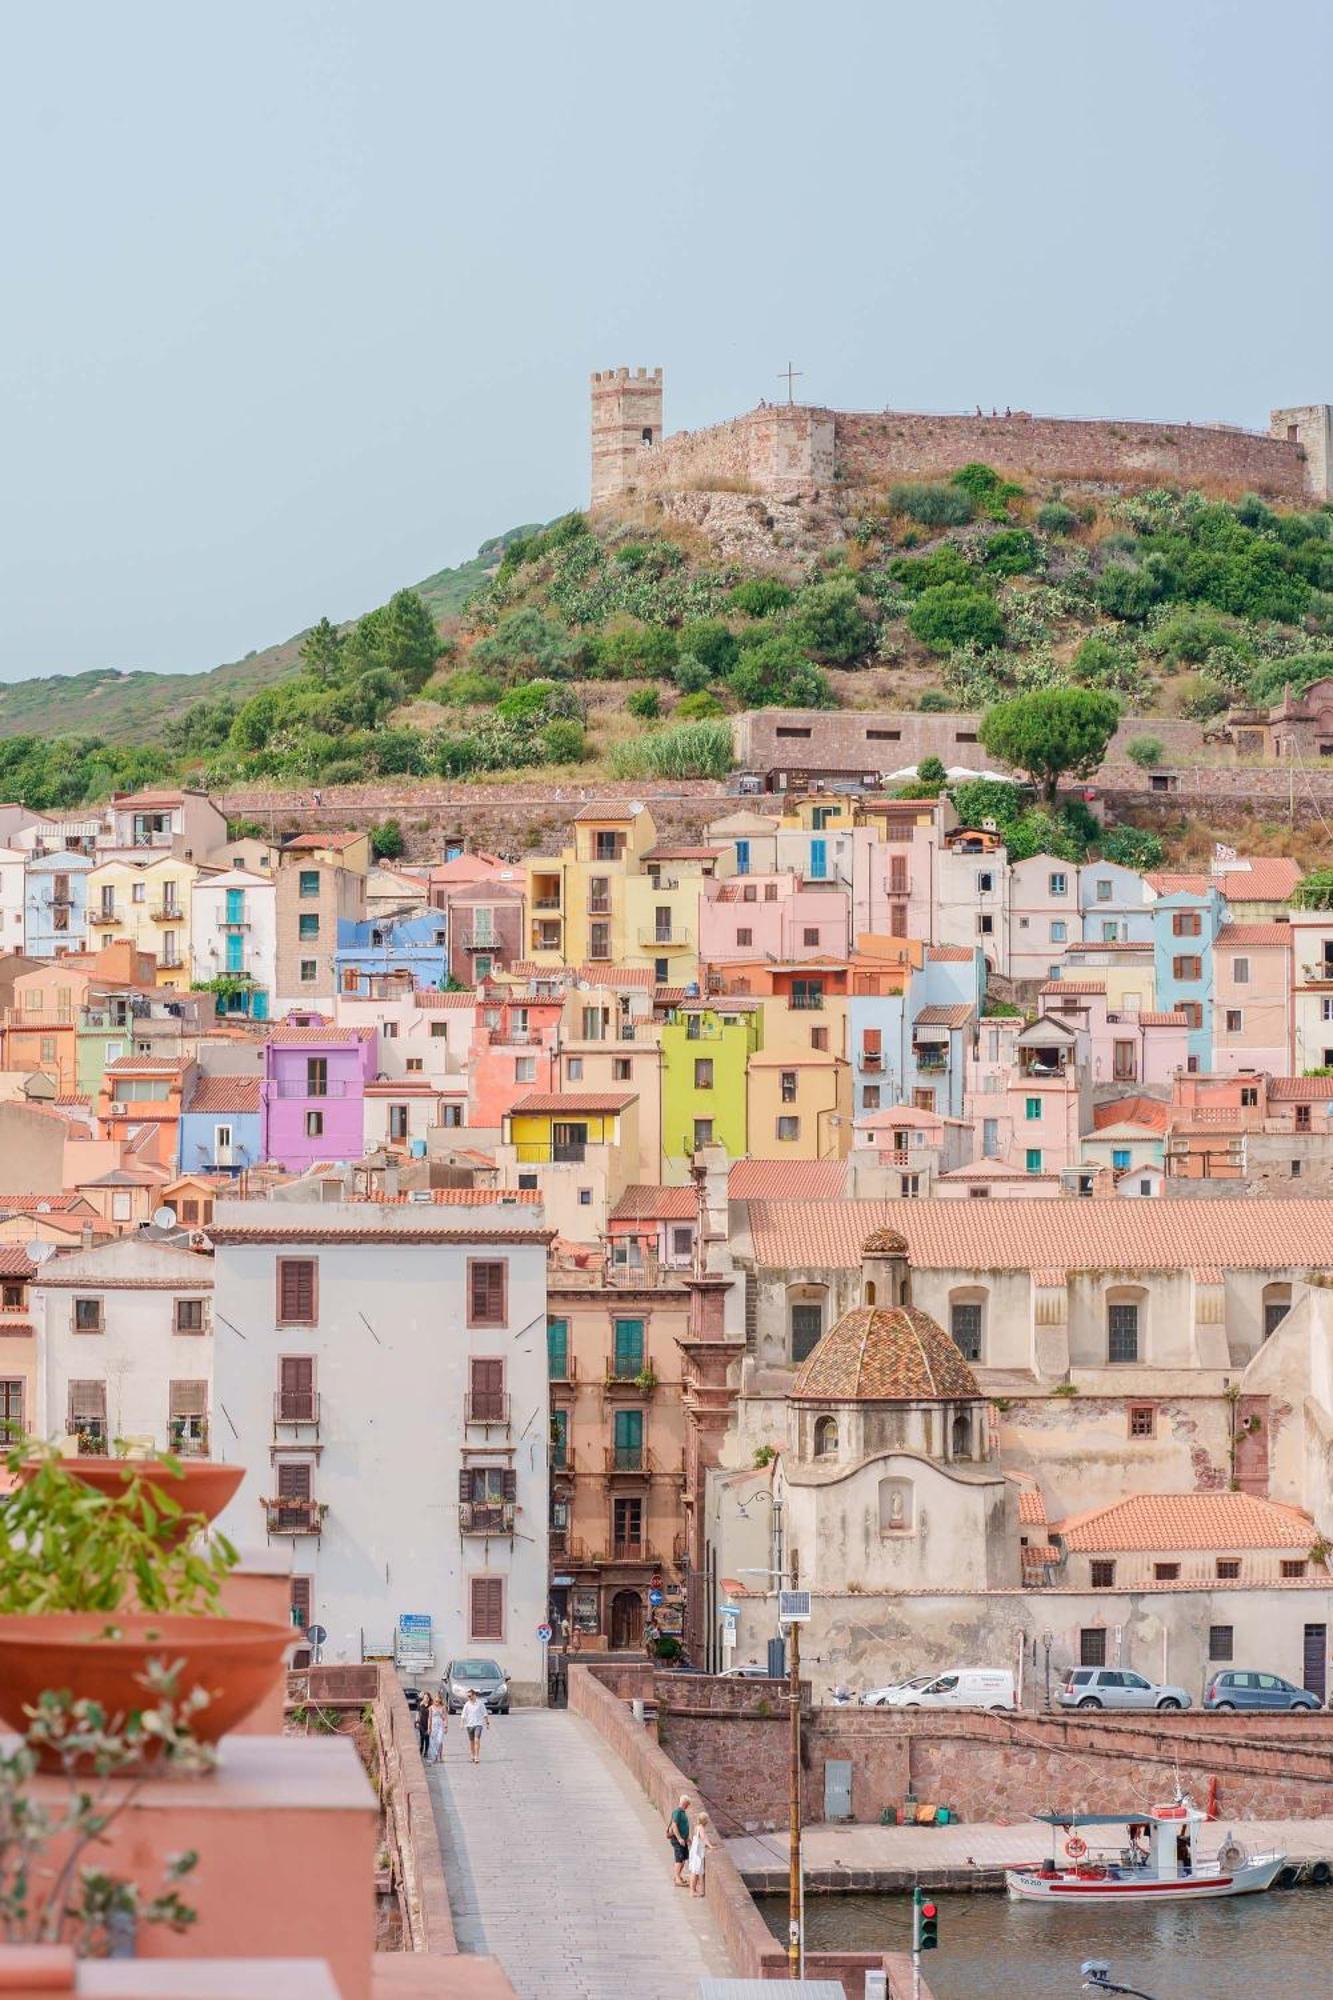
column 1252, row 1004
column 772, row 918
column 315, row 1076
column 1123, row 1045
column 1044, row 914
column 514, row 1048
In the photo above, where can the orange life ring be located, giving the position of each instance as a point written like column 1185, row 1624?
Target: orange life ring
column 1075, row 1848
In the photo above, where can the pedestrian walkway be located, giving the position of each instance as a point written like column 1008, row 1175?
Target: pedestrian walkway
column 557, row 1866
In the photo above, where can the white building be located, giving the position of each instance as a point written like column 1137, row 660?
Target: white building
column 13, row 861
column 234, row 929
column 383, row 1374
column 124, row 1339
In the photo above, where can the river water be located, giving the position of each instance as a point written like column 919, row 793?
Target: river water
column 1277, row 1946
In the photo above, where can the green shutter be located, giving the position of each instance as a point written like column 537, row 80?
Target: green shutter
column 629, row 1431
column 629, row 1347
column 557, row 1349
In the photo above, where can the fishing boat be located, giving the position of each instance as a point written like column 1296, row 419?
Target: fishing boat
column 1155, row 1860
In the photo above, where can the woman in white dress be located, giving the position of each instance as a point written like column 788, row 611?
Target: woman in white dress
column 439, row 1726
column 700, row 1846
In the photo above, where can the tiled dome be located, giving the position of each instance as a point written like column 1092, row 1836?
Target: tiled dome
column 885, row 1354
column 884, row 1243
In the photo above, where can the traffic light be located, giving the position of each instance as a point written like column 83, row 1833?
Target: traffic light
column 925, row 1922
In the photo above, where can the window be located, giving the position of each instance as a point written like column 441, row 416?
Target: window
column 810, row 934
column 1122, row 1332
column 308, row 884
column 870, row 1097
column 1034, row 1107
column 1034, row 1159
column 48, row 1053
column 11, row 1410
column 1302, row 1118
column 627, row 1526
column 1059, row 931
column 744, row 936
column 985, row 881
column 296, row 1401
column 1221, row 1642
column 397, row 1121
column 682, row 1242
column 819, row 1040
column 86, row 1417
column 1056, row 885
column 88, row 1316
column 621, row 1069
column 389, row 1031
column 1193, row 1013
column 1228, row 1571
column 1103, row 890
column 1293, row 1569
column 826, row 1436
column 627, row 1441
column 302, row 1602
column 138, row 891
column 487, row 1607
column 1142, row 1420
column 525, row 1069
column 627, row 1351
column 789, row 1128
column 414, row 1063
column 1092, row 1646
column 189, row 1316
column 1240, row 971
column 557, row 1350
column 486, row 1291
column 1235, row 1020
column 703, row 1072
column 314, row 1124
column 1103, row 1575
column 788, row 1085
column 187, row 1411
column 965, row 1326
column 298, row 1291
column 703, row 1132
column 573, row 1069
column 807, row 1328
column 11, row 1297
column 307, row 927
column 486, row 1390
column 599, row 940
column 559, row 1440
column 309, row 972
column 1120, row 1158
column 986, row 926
column 1166, row 1572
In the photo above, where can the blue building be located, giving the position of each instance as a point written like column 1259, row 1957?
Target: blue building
column 1184, row 929
column 55, row 899
column 418, row 944
column 222, row 1125
column 1116, row 904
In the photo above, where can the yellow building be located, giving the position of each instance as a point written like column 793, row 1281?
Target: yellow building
column 610, row 1041
column 799, row 1084
column 147, row 903
column 617, row 897
column 578, row 1149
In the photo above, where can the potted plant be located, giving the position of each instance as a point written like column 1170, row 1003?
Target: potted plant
column 95, row 1586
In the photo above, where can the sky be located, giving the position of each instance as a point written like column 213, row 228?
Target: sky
column 300, row 298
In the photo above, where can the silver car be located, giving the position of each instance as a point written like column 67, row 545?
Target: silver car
column 1116, row 1687
column 483, row 1677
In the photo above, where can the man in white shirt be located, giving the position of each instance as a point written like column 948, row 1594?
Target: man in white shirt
column 475, row 1718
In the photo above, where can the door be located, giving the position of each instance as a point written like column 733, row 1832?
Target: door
column 1315, row 1674
column 222, row 1145
column 818, row 860
column 568, row 1141
column 626, row 1620
column 742, row 857
column 1136, row 1692
column 235, row 952
column 296, row 1388
column 837, row 1788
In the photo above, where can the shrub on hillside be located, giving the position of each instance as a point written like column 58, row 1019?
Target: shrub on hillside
column 829, row 622
column 931, row 771
column 1055, row 518
column 469, row 688
column 690, row 674
column 1145, row 751
column 1128, row 592
column 1189, row 634
column 684, row 750
column 934, row 701
column 645, row 703
column 694, row 707
column 913, row 574
column 563, row 741
column 954, row 614
column 1013, row 552
column 761, row 596
column 1133, row 847
column 539, row 701
column 638, row 652
column 524, row 642
column 777, row 674
column 1107, row 662
column 711, row 642
column 933, row 506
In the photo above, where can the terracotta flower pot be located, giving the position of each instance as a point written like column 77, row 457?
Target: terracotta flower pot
column 202, row 1487
column 235, row 1659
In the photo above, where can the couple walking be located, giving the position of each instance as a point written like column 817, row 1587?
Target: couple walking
column 433, row 1725
column 689, row 1846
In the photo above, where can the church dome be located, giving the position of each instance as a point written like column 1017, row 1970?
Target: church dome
column 885, row 1354
column 884, row 1243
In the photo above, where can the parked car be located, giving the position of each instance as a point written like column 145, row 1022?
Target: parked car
column 879, row 1697
column 1241, row 1688
column 750, row 1671
column 961, row 1687
column 1116, row 1687
column 460, row 1676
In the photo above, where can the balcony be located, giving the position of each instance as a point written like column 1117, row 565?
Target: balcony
column 546, row 937
column 92, row 1440
column 106, row 918
column 234, row 924
column 931, row 1062
column 294, row 1517
column 486, row 1517
column 652, row 939
column 301, row 1087
column 599, row 906
column 296, row 1406
column 189, row 1437
column 563, row 1544
column 638, row 1380
column 166, row 913
column 628, row 1458
column 534, row 1153
column 806, row 1003
column 564, row 1371
column 630, row 1552
column 486, row 1406
column 170, row 961
column 564, row 1463
column 477, row 941
column 512, row 1038
column 872, row 1059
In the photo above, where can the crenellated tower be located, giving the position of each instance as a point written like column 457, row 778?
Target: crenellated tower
column 626, row 422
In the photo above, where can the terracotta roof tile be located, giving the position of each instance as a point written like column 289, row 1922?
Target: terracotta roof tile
column 950, row 954
column 1263, row 878
column 289, row 1038
column 938, row 1016
column 1074, row 951
column 1133, row 1111
column 15, row 1261
column 1169, row 1521
column 225, row 1093
column 1154, row 1020
column 1299, row 1089
column 786, row 1180
column 608, row 809
column 1235, row 934
column 458, row 1197
column 571, row 1102
column 1037, row 1554
column 642, row 1202
column 307, row 843
column 1031, row 1506
column 1081, row 986
column 154, row 1065
column 38, row 1204
column 1054, row 1235
column 882, row 1354
column 1167, row 884
column 430, row 998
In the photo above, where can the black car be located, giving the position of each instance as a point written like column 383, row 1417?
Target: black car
column 483, row 1677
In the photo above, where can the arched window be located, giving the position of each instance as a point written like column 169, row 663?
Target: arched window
column 967, row 1320
column 1277, row 1304
column 805, row 1308
column 870, row 1291
column 826, row 1437
column 961, row 1437
column 1126, row 1324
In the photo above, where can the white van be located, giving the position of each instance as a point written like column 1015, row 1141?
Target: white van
column 961, row 1687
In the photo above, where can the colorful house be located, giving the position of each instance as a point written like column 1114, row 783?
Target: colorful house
column 1115, row 903
column 1185, row 925
column 1252, row 967
column 55, row 910
column 222, row 1125
column 761, row 918
column 234, row 940
column 1044, row 914
column 580, row 907
column 370, row 947
column 577, row 1149
column 147, row 903
column 140, row 1103
column 513, row 1047
column 315, row 1076
column 707, row 1046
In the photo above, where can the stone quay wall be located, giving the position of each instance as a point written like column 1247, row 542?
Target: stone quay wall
column 987, row 1766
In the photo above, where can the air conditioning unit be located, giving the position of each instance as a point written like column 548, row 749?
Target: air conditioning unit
column 118, row 1108
column 418, row 1194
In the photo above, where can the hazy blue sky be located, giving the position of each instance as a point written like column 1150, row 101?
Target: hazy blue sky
column 300, row 299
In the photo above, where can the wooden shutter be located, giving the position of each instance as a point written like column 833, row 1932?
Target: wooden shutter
column 301, row 1601
column 189, row 1399
column 87, row 1403
column 488, row 1607
column 488, row 1391
column 510, row 1484
column 486, row 1293
column 297, row 1290
column 294, row 1482
column 298, row 1373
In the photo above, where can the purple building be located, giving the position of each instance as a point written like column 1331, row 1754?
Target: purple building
column 315, row 1076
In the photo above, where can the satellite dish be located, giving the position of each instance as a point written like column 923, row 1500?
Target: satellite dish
column 39, row 1252
column 164, row 1218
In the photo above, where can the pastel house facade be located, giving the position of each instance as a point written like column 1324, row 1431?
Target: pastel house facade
column 1252, row 1011
column 55, row 909
column 234, row 940
column 315, row 1076
column 370, row 947
column 222, row 1125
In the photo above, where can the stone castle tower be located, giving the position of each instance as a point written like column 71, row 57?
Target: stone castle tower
column 626, row 421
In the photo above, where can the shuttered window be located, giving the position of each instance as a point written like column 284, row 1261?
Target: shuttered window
column 301, row 1602
column 189, row 1399
column 298, row 1290
column 486, row 1293
column 488, row 1607
column 296, row 1388
column 628, row 1349
column 557, row 1349
column 487, row 1391
column 294, row 1482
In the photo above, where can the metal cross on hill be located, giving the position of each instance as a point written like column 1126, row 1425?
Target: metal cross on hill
column 790, row 375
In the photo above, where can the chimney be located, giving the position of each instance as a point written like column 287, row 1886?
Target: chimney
column 86, row 1236
column 709, row 1168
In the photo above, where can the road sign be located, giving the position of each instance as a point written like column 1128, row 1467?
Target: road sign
column 316, row 1635
column 414, row 1621
column 544, row 1634
column 655, row 1597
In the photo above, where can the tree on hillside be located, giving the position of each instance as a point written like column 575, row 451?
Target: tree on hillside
column 1316, row 891
column 321, row 651
column 399, row 638
column 1052, row 733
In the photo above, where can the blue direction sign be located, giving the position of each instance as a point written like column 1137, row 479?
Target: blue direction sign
column 655, row 1597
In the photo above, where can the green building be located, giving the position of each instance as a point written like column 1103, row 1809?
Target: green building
column 706, row 1047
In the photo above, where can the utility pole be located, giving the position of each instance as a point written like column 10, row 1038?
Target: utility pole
column 796, row 1927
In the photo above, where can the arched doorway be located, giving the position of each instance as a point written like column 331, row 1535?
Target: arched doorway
column 626, row 1620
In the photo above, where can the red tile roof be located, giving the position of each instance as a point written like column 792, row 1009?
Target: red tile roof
column 1080, row 986
column 939, row 1016
column 1257, row 934
column 573, row 1102
column 1031, row 1506
column 1300, row 1089
column 950, row 954
column 1168, row 884
column 881, row 1354
column 1050, row 1235
column 225, row 1093
column 149, row 1065
column 786, row 1180
column 1105, row 944
column 312, row 1037
column 40, row 1204
column 608, row 809
column 458, row 1197
column 1153, row 1020
column 430, row 998
column 642, row 1202
column 1264, row 878
column 1133, row 1111
column 1170, row 1521
column 15, row 1261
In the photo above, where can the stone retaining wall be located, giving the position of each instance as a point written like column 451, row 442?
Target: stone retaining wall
column 410, row 1819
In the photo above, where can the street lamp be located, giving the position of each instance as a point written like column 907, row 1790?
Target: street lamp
column 795, row 1882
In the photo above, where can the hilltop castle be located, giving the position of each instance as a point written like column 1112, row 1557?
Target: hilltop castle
column 794, row 448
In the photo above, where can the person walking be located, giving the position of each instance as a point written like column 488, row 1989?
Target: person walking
column 476, row 1717
column 439, row 1728
column 678, row 1833
column 700, row 1847
column 423, row 1723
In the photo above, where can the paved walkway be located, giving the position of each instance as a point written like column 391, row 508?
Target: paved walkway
column 557, row 1865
